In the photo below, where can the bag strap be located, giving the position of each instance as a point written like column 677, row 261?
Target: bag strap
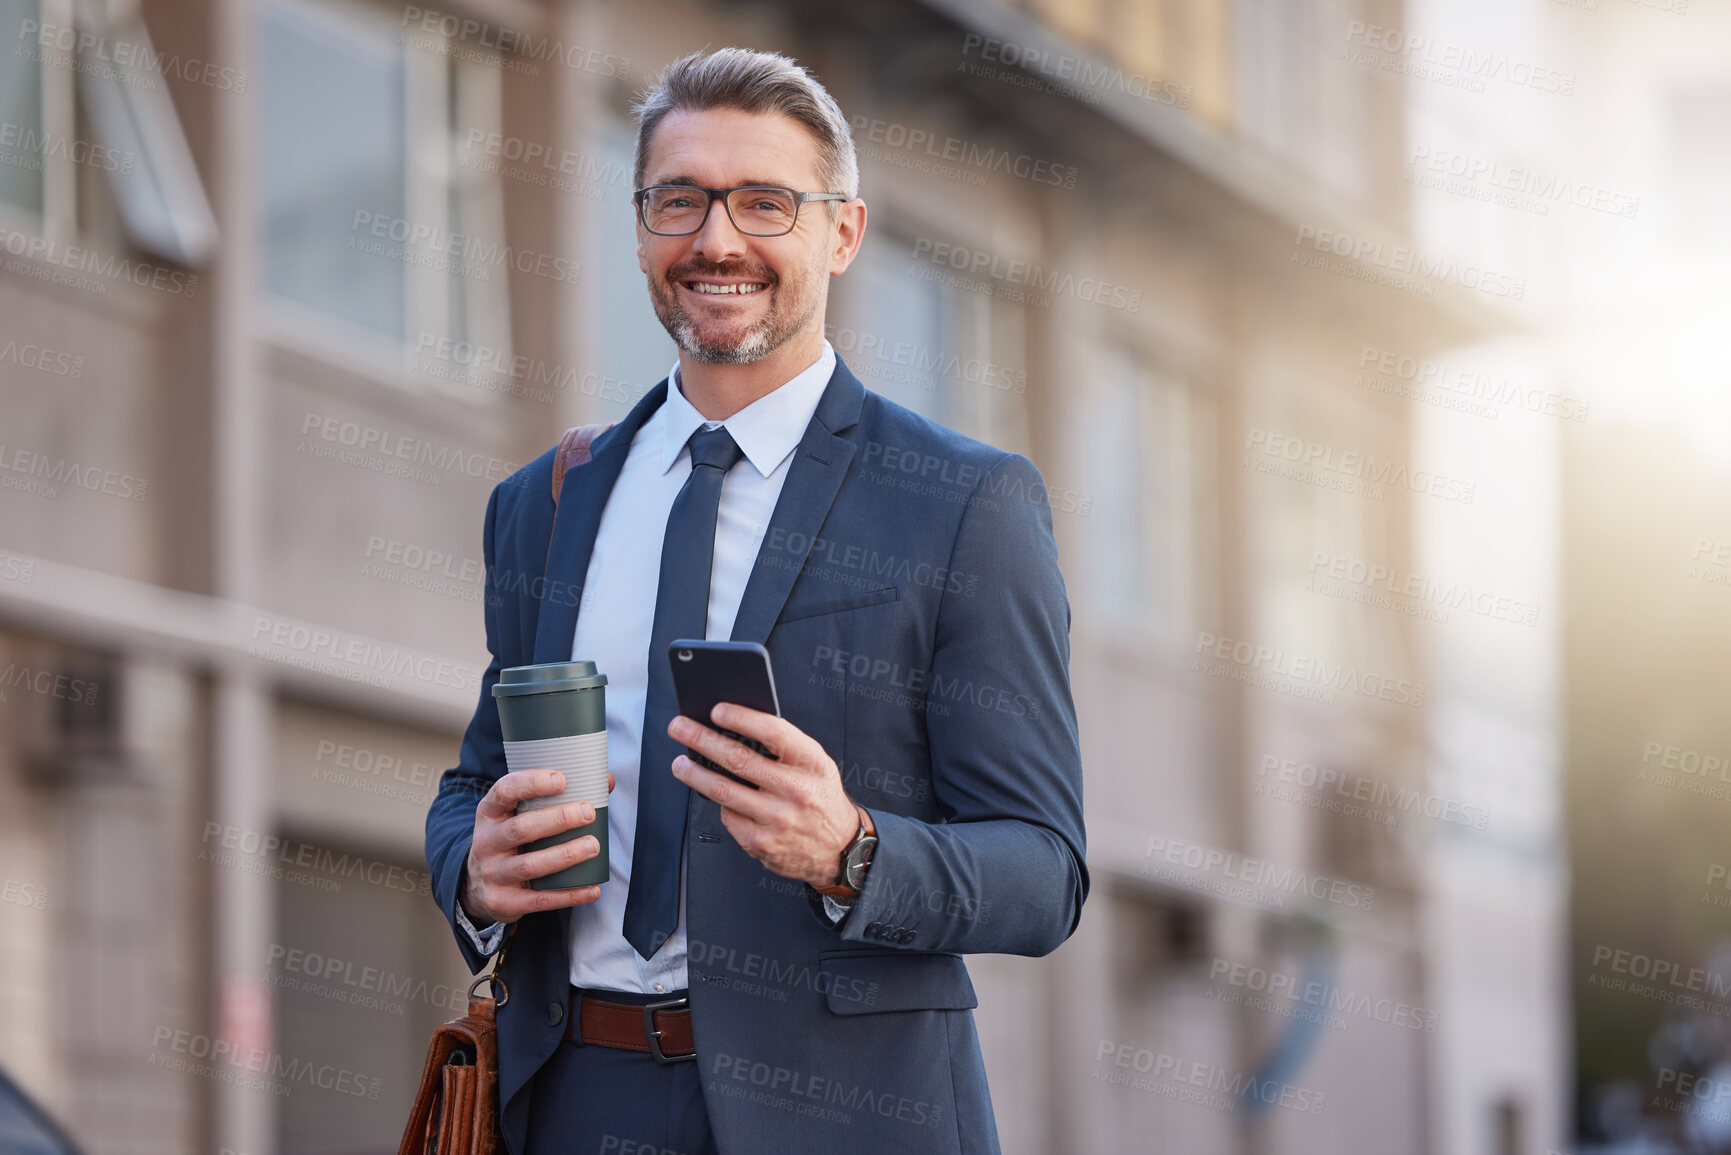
column 574, row 450
column 495, row 978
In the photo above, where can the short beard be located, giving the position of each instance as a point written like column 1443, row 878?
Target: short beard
column 759, row 341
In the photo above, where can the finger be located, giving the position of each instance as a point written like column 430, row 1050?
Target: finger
column 520, row 868
column 522, row 900
column 513, row 787
column 532, row 824
column 760, row 806
column 736, row 757
column 781, row 737
column 791, row 780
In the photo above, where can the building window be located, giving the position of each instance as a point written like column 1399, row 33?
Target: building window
column 898, row 332
column 1116, row 456
column 631, row 348
column 37, row 115
column 1155, row 937
column 370, row 221
column 1296, row 99
column 117, row 120
column 1136, row 454
column 1315, row 550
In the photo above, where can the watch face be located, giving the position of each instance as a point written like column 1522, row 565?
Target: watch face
column 858, row 858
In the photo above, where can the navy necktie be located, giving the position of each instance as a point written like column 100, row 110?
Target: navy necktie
column 681, row 611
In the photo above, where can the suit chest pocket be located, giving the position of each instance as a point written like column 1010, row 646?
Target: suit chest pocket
column 817, row 607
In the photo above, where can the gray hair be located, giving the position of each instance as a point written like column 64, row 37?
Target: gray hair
column 759, row 82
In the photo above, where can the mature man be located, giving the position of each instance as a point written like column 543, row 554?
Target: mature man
column 753, row 977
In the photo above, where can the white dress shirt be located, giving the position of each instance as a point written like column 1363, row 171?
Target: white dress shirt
column 616, row 617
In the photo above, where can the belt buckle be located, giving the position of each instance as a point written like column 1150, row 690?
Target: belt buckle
column 655, row 1036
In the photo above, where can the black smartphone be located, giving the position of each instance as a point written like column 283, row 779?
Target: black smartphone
column 707, row 673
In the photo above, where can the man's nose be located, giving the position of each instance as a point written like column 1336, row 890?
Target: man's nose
column 718, row 237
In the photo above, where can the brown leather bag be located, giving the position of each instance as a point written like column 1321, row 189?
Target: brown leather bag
column 456, row 1109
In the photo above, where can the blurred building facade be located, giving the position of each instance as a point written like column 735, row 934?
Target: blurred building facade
column 290, row 285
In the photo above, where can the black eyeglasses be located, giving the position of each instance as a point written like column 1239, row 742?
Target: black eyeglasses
column 757, row 210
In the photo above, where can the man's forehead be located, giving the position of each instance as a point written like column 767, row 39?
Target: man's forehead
column 731, row 146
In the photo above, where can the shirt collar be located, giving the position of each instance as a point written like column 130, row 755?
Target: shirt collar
column 767, row 430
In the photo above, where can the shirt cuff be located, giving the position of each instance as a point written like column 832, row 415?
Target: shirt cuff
column 486, row 940
column 834, row 909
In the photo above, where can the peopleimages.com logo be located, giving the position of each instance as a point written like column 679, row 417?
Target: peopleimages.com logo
column 1261, row 877
column 1398, row 260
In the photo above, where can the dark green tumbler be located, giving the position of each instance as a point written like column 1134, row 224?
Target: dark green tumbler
column 553, row 716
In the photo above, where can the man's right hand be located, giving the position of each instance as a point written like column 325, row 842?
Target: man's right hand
column 496, row 877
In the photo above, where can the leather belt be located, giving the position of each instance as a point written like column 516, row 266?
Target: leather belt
column 660, row 1029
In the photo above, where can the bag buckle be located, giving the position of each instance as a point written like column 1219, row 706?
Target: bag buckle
column 655, row 1035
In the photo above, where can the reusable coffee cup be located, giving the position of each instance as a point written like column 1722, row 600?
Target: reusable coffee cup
column 553, row 717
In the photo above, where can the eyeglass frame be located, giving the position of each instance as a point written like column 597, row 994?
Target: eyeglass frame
column 801, row 199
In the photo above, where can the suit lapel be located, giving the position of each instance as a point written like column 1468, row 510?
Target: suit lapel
column 575, row 523
column 813, row 479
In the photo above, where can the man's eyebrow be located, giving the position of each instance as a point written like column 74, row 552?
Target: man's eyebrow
column 693, row 182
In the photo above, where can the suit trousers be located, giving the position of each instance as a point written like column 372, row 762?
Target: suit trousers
column 595, row 1100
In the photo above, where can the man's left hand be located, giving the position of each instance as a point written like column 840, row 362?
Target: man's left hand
column 800, row 819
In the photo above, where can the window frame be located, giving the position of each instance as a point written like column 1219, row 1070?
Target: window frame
column 437, row 189
column 57, row 91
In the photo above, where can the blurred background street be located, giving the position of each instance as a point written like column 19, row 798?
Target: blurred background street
column 1373, row 352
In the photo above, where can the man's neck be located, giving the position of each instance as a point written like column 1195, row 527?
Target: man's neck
column 720, row 391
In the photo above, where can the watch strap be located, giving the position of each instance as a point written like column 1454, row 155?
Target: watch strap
column 840, row 889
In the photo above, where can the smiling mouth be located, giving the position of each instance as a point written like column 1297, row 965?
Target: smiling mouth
column 724, row 289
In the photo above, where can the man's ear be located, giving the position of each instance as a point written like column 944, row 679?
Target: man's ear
column 850, row 228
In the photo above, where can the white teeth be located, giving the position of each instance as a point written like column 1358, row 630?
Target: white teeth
column 706, row 287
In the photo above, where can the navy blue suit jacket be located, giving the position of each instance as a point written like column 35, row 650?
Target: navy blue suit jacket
column 909, row 594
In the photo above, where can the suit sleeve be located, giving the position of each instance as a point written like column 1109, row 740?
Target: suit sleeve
column 451, row 817
column 1006, row 871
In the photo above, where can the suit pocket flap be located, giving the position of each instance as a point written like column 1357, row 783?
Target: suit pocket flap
column 862, row 984
column 808, row 609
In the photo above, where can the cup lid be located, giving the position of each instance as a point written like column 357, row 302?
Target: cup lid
column 547, row 678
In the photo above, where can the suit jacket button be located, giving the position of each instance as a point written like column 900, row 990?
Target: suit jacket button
column 907, row 935
column 872, row 928
column 555, row 1013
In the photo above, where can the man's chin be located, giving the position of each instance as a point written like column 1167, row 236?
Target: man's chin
column 719, row 349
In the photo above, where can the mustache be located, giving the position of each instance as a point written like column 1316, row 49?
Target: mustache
column 688, row 272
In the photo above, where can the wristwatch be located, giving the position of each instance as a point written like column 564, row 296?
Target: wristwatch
column 855, row 857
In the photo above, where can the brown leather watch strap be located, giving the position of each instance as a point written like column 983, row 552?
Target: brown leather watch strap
column 621, row 1025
